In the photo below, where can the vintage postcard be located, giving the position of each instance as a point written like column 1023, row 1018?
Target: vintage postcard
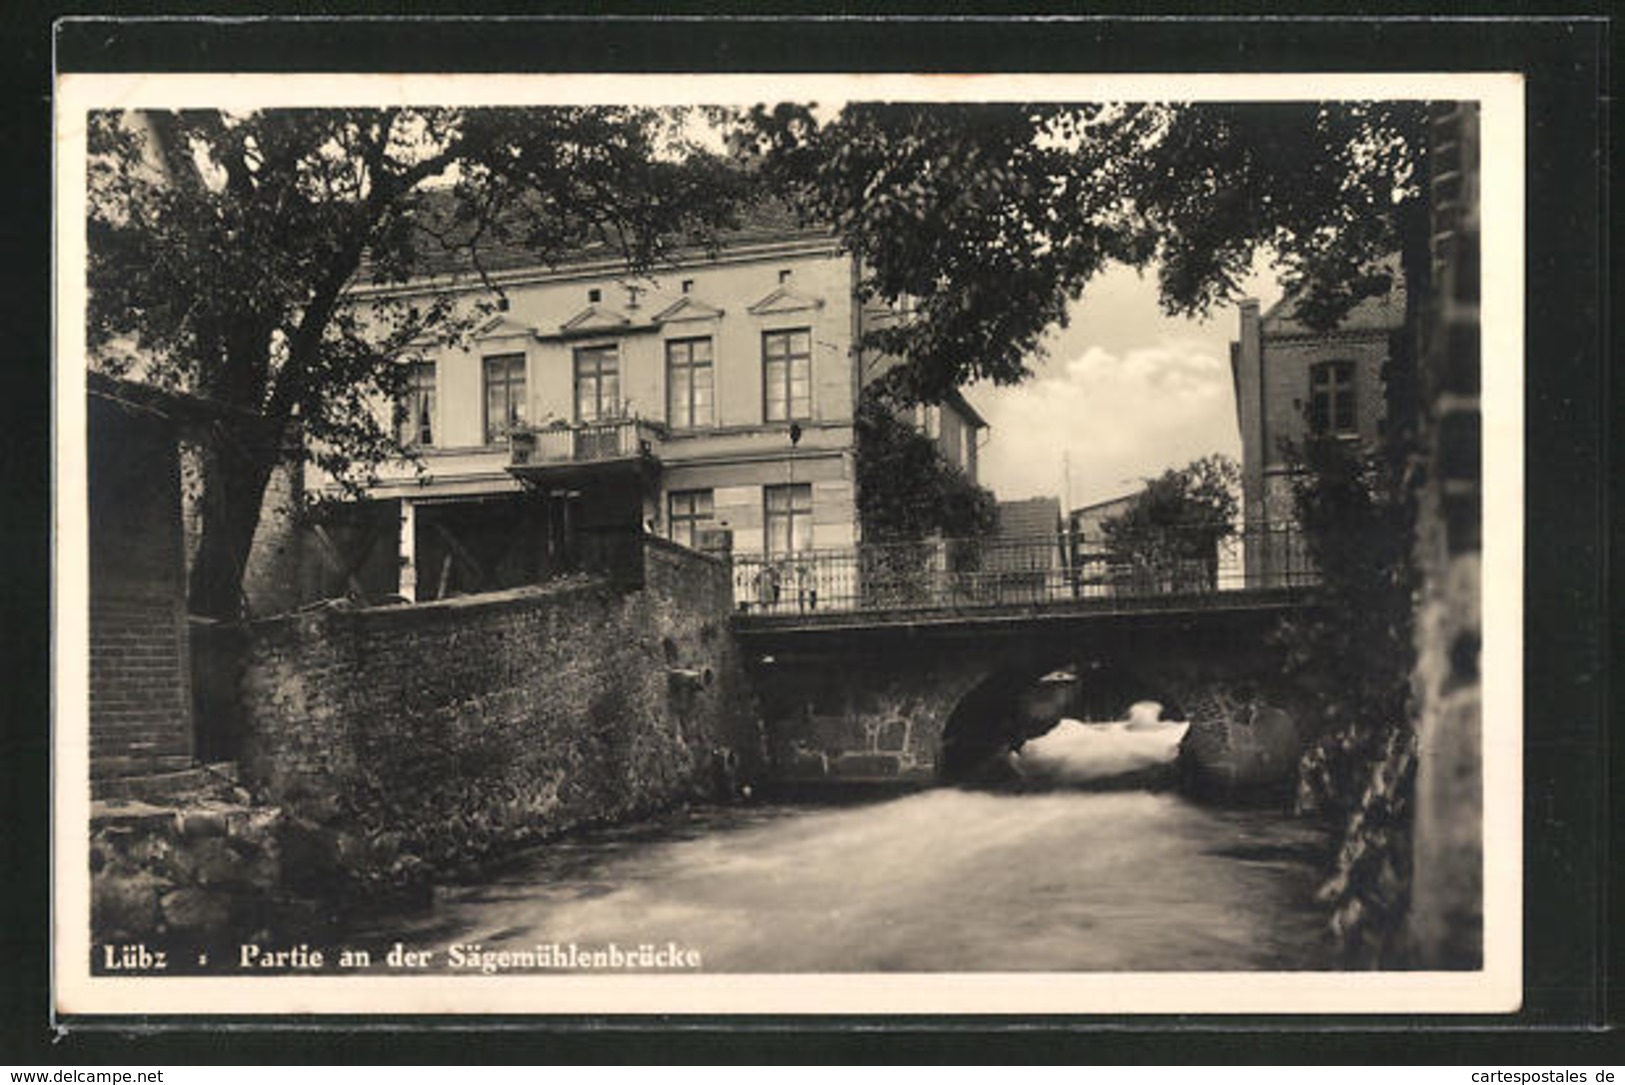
column 739, row 545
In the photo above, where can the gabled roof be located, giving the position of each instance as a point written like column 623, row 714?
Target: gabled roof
column 969, row 413
column 1033, row 516
column 1382, row 313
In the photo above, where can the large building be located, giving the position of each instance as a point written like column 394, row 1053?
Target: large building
column 716, row 395
column 1291, row 382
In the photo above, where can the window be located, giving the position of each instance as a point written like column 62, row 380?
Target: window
column 789, row 518
column 787, row 375
column 504, row 395
column 598, row 383
column 415, row 415
column 1331, row 398
column 687, row 511
column 689, row 383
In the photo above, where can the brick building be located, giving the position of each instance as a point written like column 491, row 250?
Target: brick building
column 1292, row 381
column 140, row 661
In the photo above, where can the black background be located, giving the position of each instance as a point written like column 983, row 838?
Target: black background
column 1568, row 762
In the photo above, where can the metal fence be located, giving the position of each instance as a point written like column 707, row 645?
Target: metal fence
column 971, row 573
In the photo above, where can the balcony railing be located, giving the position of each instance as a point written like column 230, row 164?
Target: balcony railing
column 959, row 574
column 585, row 442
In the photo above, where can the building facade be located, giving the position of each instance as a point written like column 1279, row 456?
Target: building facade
column 1293, row 382
column 712, row 403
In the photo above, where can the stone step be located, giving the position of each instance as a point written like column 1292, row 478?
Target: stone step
column 165, row 784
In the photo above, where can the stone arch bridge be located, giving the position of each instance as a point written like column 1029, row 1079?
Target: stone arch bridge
column 922, row 696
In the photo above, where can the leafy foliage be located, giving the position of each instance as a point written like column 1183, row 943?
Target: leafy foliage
column 906, row 490
column 1358, row 527
column 1196, row 502
column 987, row 221
column 226, row 251
column 1355, row 661
column 983, row 222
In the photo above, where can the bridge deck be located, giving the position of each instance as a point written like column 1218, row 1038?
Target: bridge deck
column 1254, row 600
column 981, row 582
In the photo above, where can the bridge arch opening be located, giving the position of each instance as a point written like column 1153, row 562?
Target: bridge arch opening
column 1015, row 704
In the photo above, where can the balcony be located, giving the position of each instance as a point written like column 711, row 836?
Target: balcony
column 568, row 454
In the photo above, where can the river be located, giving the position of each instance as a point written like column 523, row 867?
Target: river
column 938, row 880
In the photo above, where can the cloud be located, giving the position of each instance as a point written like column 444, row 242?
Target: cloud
column 1126, row 393
column 1118, row 416
column 1183, row 368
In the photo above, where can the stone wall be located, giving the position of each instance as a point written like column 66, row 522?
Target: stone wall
column 913, row 708
column 427, row 735
column 189, row 871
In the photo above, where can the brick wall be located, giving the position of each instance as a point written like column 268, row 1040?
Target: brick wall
column 140, row 699
column 1446, row 920
column 431, row 733
column 1287, row 364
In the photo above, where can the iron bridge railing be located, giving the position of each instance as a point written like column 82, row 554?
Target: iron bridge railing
column 957, row 574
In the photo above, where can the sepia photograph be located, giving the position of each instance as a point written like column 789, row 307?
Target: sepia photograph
column 788, row 544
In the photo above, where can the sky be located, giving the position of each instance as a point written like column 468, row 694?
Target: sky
column 1125, row 393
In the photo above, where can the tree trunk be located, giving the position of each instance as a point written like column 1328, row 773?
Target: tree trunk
column 235, row 472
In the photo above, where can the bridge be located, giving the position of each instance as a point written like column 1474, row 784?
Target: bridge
column 917, row 661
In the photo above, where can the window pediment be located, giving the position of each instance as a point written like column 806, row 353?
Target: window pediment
column 686, row 309
column 595, row 318
column 785, row 300
column 502, row 326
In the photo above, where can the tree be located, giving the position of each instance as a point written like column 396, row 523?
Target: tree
column 908, row 495
column 989, row 220
column 907, row 491
column 1171, row 531
column 225, row 252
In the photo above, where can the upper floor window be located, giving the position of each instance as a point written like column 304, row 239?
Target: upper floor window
column 504, row 395
column 687, row 511
column 787, row 375
column 415, row 413
column 598, row 383
column 930, row 420
column 690, row 384
column 1331, row 398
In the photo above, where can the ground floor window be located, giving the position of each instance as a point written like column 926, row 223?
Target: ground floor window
column 687, row 511
column 788, row 518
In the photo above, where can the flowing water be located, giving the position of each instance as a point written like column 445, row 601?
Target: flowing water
column 937, row 880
